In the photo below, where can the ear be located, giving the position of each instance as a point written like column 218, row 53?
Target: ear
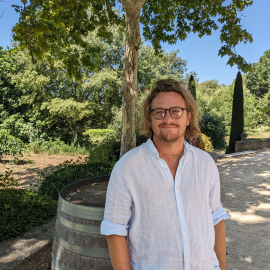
column 189, row 117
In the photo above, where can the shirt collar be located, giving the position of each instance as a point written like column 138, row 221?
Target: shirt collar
column 153, row 149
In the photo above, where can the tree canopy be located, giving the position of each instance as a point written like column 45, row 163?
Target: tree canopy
column 258, row 82
column 52, row 29
column 55, row 26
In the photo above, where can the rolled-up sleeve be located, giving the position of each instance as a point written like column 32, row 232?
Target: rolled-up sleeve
column 218, row 212
column 117, row 211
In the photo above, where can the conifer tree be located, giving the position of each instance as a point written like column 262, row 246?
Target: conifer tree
column 237, row 125
column 191, row 86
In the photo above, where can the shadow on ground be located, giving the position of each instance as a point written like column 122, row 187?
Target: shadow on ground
column 245, row 194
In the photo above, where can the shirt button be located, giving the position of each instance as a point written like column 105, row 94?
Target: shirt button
column 184, row 233
column 166, row 168
column 186, row 257
column 179, row 209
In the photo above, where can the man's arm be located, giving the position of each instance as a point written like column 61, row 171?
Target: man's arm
column 220, row 244
column 119, row 252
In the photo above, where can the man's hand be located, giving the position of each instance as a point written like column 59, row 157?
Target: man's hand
column 220, row 244
column 119, row 252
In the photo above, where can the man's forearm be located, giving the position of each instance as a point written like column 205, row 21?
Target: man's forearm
column 220, row 244
column 119, row 252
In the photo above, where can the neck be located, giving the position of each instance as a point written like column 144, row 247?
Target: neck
column 169, row 151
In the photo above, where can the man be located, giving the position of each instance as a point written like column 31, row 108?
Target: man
column 163, row 207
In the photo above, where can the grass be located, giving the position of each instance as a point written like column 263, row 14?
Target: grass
column 58, row 148
column 259, row 133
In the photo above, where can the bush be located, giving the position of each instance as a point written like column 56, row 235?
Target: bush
column 21, row 209
column 95, row 137
column 68, row 172
column 10, row 145
column 213, row 127
column 27, row 130
column 96, row 133
column 58, row 147
column 205, row 143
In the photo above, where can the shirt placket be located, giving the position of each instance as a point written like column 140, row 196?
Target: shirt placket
column 180, row 209
column 181, row 216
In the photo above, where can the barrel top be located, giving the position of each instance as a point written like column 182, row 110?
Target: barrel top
column 93, row 194
column 85, row 182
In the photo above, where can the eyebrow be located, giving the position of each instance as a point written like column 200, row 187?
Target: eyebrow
column 168, row 108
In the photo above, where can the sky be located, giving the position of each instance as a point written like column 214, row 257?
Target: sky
column 201, row 53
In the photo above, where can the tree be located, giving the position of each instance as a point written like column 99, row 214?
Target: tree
column 152, row 67
column 192, row 86
column 258, row 82
column 237, row 126
column 48, row 25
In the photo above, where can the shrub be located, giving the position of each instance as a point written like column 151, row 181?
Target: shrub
column 213, row 127
column 95, row 137
column 10, row 145
column 96, row 133
column 27, row 130
column 58, row 147
column 21, row 209
column 205, row 143
column 68, row 172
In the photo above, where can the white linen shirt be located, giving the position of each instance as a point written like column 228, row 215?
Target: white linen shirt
column 169, row 223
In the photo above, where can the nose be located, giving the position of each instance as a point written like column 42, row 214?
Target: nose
column 167, row 116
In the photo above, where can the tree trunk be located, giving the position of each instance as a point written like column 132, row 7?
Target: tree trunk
column 130, row 67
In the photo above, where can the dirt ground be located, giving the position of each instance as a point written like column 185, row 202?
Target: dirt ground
column 27, row 174
column 245, row 194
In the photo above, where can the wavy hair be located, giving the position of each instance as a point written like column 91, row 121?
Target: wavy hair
column 170, row 85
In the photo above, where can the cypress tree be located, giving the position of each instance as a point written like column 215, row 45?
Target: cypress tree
column 237, row 125
column 191, row 86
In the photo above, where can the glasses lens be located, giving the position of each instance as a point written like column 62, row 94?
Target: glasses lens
column 159, row 113
column 176, row 112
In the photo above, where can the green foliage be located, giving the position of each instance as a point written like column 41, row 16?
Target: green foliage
column 264, row 107
column 53, row 27
column 6, row 181
column 9, row 93
column 26, row 131
column 95, row 137
column 218, row 98
column 192, row 86
column 213, row 127
column 21, row 209
column 152, row 67
column 237, row 126
column 71, row 113
column 197, row 17
column 68, row 172
column 49, row 32
column 258, row 82
column 10, row 145
column 54, row 147
column 96, row 133
column 205, row 143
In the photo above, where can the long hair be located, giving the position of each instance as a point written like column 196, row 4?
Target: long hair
column 170, row 85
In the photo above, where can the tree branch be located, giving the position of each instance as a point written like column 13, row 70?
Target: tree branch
column 107, row 13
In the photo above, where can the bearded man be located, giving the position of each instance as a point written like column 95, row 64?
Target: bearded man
column 163, row 208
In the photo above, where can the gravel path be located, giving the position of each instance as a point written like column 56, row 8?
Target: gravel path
column 245, row 194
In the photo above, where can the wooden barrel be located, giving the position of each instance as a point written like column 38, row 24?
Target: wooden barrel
column 78, row 244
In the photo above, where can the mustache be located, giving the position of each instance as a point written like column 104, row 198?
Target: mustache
column 165, row 125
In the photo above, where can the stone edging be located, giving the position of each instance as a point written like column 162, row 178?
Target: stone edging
column 255, row 144
column 237, row 154
column 33, row 250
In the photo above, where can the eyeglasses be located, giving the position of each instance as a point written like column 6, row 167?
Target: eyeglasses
column 175, row 112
